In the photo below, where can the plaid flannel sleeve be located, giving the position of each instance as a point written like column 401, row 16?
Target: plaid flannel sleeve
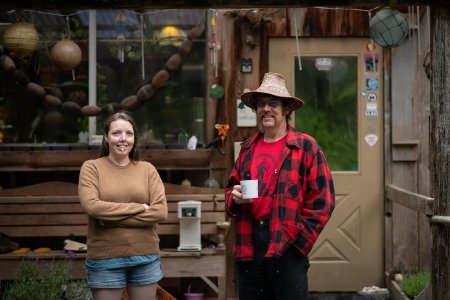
column 319, row 202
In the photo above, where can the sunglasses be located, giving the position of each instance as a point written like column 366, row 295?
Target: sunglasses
column 272, row 103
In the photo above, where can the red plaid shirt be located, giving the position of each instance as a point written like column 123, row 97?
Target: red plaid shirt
column 302, row 202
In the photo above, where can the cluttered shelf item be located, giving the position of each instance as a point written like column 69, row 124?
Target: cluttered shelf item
column 51, row 211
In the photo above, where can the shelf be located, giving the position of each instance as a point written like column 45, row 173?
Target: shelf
column 27, row 160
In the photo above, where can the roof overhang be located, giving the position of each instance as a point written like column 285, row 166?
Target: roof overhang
column 158, row 4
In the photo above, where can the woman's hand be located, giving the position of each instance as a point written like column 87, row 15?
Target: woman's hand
column 237, row 195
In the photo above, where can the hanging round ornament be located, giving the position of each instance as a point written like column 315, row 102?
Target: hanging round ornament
column 388, row 28
column 66, row 54
column 216, row 91
column 21, row 38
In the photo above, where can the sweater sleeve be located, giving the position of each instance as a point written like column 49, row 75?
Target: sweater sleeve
column 88, row 193
column 157, row 211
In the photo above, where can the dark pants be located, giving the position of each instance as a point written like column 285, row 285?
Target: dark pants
column 282, row 278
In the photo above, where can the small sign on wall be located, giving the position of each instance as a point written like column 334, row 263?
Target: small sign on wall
column 246, row 117
column 246, row 65
column 371, row 105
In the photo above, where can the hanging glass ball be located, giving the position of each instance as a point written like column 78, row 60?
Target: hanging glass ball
column 211, row 183
column 66, row 55
column 388, row 28
column 21, row 38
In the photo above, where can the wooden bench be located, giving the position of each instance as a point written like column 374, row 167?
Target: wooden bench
column 52, row 210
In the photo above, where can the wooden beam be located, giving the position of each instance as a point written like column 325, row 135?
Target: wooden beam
column 417, row 202
column 156, row 4
column 441, row 219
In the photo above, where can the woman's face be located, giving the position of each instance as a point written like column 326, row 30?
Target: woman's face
column 120, row 138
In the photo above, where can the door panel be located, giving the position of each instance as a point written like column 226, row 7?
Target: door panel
column 349, row 253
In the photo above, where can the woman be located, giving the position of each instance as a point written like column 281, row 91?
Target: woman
column 124, row 199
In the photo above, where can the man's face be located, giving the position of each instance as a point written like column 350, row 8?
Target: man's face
column 271, row 113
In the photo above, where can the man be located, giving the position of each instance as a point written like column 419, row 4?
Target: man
column 276, row 231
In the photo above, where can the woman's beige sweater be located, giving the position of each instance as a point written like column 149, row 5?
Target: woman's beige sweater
column 113, row 197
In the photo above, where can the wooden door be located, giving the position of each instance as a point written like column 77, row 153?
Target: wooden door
column 340, row 82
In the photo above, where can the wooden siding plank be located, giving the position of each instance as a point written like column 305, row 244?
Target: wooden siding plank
column 25, row 208
column 44, row 231
column 43, row 219
column 404, row 153
column 163, row 159
column 81, row 230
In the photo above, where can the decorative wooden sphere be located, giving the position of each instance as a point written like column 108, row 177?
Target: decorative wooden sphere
column 66, row 54
column 52, row 119
column 21, row 38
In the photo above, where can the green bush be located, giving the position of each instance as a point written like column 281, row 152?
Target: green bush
column 39, row 280
column 413, row 283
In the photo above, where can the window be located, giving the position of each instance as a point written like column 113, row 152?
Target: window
column 330, row 86
column 130, row 48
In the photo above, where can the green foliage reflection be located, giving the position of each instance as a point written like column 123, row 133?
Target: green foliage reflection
column 330, row 111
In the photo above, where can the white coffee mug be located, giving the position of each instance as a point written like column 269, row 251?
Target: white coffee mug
column 249, row 188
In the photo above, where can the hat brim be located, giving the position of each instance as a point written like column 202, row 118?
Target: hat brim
column 250, row 98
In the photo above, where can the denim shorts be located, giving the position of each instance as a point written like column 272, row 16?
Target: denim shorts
column 120, row 277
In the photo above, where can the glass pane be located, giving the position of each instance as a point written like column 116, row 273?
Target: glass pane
column 329, row 87
column 176, row 109
column 131, row 50
column 27, row 116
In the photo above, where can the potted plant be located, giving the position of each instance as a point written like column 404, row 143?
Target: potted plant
column 412, row 285
column 41, row 281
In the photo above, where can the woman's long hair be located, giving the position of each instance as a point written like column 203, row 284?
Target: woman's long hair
column 134, row 153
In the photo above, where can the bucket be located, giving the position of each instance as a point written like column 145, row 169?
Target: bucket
column 192, row 296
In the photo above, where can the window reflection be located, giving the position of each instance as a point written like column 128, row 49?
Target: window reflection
column 132, row 49
column 329, row 85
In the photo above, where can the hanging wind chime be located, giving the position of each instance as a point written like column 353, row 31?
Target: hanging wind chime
column 216, row 91
column 121, row 19
column 213, row 44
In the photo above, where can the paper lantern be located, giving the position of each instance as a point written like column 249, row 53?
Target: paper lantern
column 21, row 38
column 171, row 35
column 388, row 28
column 66, row 54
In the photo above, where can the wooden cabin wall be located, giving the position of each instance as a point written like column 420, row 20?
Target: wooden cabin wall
column 245, row 34
column 408, row 234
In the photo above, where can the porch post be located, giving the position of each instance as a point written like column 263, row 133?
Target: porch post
column 440, row 148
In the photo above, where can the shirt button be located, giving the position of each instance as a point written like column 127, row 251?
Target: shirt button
column 261, row 222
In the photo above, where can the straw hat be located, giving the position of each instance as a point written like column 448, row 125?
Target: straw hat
column 272, row 84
